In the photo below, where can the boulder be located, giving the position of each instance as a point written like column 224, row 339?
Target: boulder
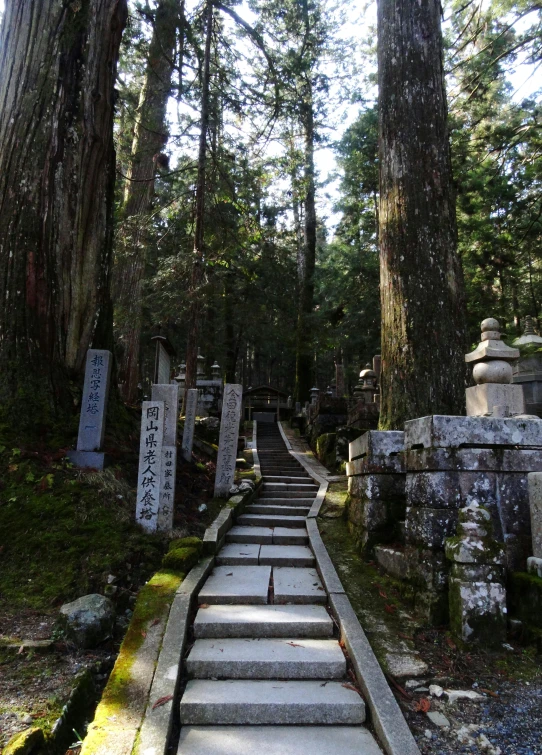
column 88, row 620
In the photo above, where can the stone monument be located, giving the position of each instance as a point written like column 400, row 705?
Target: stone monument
column 493, row 395
column 229, row 434
column 150, row 464
column 477, row 596
column 191, row 403
column 534, row 563
column 93, row 407
column 169, row 394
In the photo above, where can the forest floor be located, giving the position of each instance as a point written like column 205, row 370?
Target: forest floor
column 67, row 533
column 507, row 720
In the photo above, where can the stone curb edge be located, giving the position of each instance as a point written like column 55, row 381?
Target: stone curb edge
column 386, row 715
column 155, row 731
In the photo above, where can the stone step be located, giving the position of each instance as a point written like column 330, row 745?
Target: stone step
column 287, row 536
column 271, row 520
column 306, row 486
column 271, row 658
column 286, row 555
column 269, row 702
column 286, row 479
column 263, row 621
column 236, row 584
column 268, row 535
column 276, row 740
column 304, row 494
column 239, row 553
column 297, row 585
column 281, row 508
column 250, row 535
column 300, row 502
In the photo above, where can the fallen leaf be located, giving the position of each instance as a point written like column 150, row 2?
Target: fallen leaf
column 451, row 643
column 423, row 705
column 406, row 636
column 349, row 686
column 488, row 692
column 389, row 609
column 204, row 605
column 143, row 633
column 20, row 650
column 229, row 574
column 294, row 645
column 155, row 622
column 382, row 594
column 162, row 701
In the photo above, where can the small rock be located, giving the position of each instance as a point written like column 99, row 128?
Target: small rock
column 88, row 620
column 111, row 579
column 428, row 734
column 421, row 690
column 436, row 690
column 26, row 718
column 454, row 695
column 202, row 507
column 438, row 719
column 412, row 683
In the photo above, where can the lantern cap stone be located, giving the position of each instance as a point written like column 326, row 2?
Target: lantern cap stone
column 491, row 347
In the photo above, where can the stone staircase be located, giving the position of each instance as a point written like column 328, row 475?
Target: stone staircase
column 266, row 673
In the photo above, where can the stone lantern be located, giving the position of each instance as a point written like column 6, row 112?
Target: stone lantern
column 314, row 392
column 215, row 371
column 200, row 370
column 181, row 377
column 493, row 395
column 528, row 368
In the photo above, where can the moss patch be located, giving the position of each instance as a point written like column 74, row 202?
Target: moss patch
column 181, row 559
column 26, row 742
column 153, row 602
column 186, row 542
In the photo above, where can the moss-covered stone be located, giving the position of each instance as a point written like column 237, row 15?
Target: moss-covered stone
column 325, row 449
column 181, row 559
column 186, row 542
column 27, row 742
column 525, row 598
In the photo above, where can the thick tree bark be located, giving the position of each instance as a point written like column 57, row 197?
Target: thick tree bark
column 57, row 71
column 422, row 293
column 306, row 263
column 194, row 311
column 149, row 139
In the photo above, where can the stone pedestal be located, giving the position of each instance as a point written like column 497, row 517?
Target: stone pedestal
column 376, row 483
column 451, row 463
column 492, row 398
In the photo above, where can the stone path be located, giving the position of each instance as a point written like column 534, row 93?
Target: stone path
column 266, row 673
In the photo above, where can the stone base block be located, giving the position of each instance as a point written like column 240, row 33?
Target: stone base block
column 535, row 506
column 377, row 452
column 478, row 612
column 534, row 566
column 484, row 400
column 444, row 431
column 377, row 486
column 393, row 561
column 87, row 459
column 429, row 527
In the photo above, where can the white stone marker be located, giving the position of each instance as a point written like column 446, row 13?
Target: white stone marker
column 167, row 488
column 169, row 394
column 150, row 464
column 93, row 406
column 189, row 422
column 229, row 434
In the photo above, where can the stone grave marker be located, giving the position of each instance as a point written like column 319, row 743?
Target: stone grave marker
column 169, row 394
column 229, row 434
column 189, row 422
column 167, row 488
column 93, row 408
column 150, row 464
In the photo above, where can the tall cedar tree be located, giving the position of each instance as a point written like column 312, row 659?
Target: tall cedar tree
column 57, row 70
column 195, row 305
column 150, row 137
column 422, row 292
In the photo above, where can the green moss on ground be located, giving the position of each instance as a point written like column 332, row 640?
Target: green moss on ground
column 181, row 559
column 63, row 528
column 186, row 542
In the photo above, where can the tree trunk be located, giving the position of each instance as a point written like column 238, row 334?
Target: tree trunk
column 149, row 139
column 306, row 263
column 57, row 71
column 194, row 311
column 422, row 292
